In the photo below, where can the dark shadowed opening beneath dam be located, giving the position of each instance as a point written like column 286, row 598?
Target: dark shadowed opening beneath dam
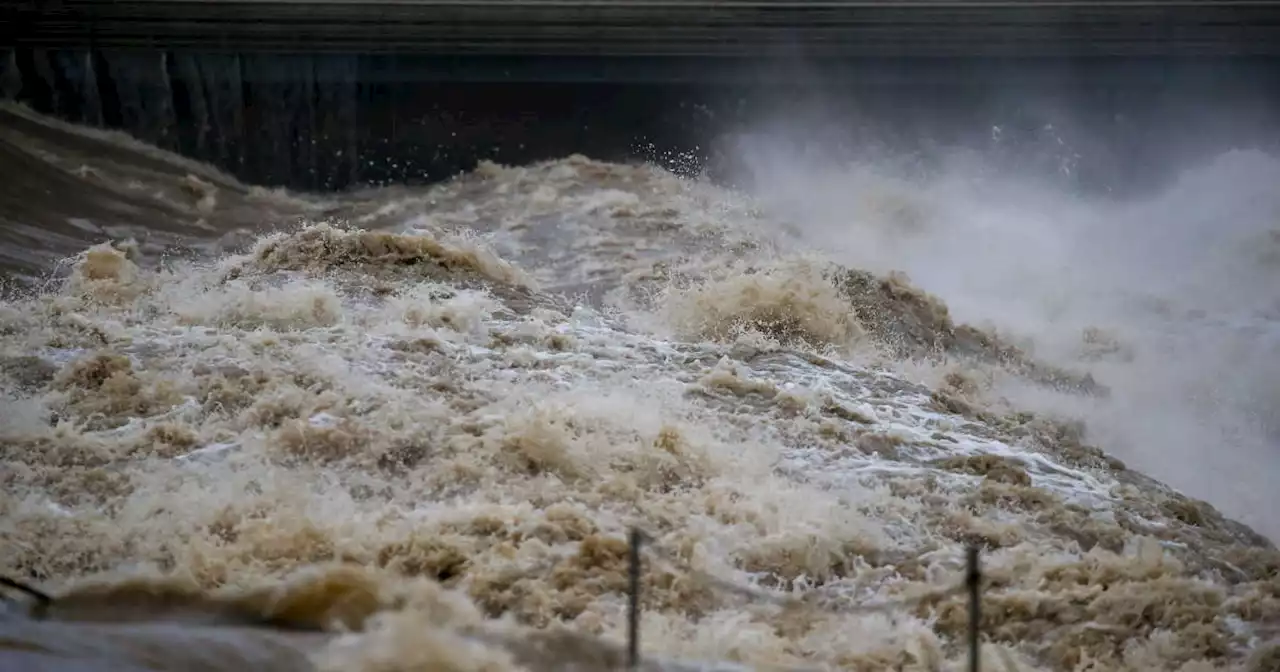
column 325, row 122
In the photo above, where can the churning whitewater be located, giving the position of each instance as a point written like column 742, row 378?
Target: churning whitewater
column 409, row 430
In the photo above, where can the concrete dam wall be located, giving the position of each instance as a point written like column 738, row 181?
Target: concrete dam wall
column 721, row 28
column 330, row 95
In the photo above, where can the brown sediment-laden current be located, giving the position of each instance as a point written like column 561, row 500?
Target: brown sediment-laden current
column 409, row 430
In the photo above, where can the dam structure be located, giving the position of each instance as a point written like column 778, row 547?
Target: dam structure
column 329, row 94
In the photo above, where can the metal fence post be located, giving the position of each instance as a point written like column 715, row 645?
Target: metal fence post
column 633, row 606
column 973, row 580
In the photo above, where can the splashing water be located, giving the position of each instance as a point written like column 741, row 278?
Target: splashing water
column 411, row 431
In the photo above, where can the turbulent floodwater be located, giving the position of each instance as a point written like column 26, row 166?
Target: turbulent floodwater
column 408, row 430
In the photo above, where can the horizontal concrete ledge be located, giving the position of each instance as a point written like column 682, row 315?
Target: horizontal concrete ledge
column 644, row 28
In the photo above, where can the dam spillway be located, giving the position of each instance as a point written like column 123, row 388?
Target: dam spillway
column 816, row 393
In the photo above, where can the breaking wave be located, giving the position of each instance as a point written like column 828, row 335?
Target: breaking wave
column 408, row 429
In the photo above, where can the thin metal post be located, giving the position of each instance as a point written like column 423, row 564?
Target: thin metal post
column 973, row 580
column 633, row 606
